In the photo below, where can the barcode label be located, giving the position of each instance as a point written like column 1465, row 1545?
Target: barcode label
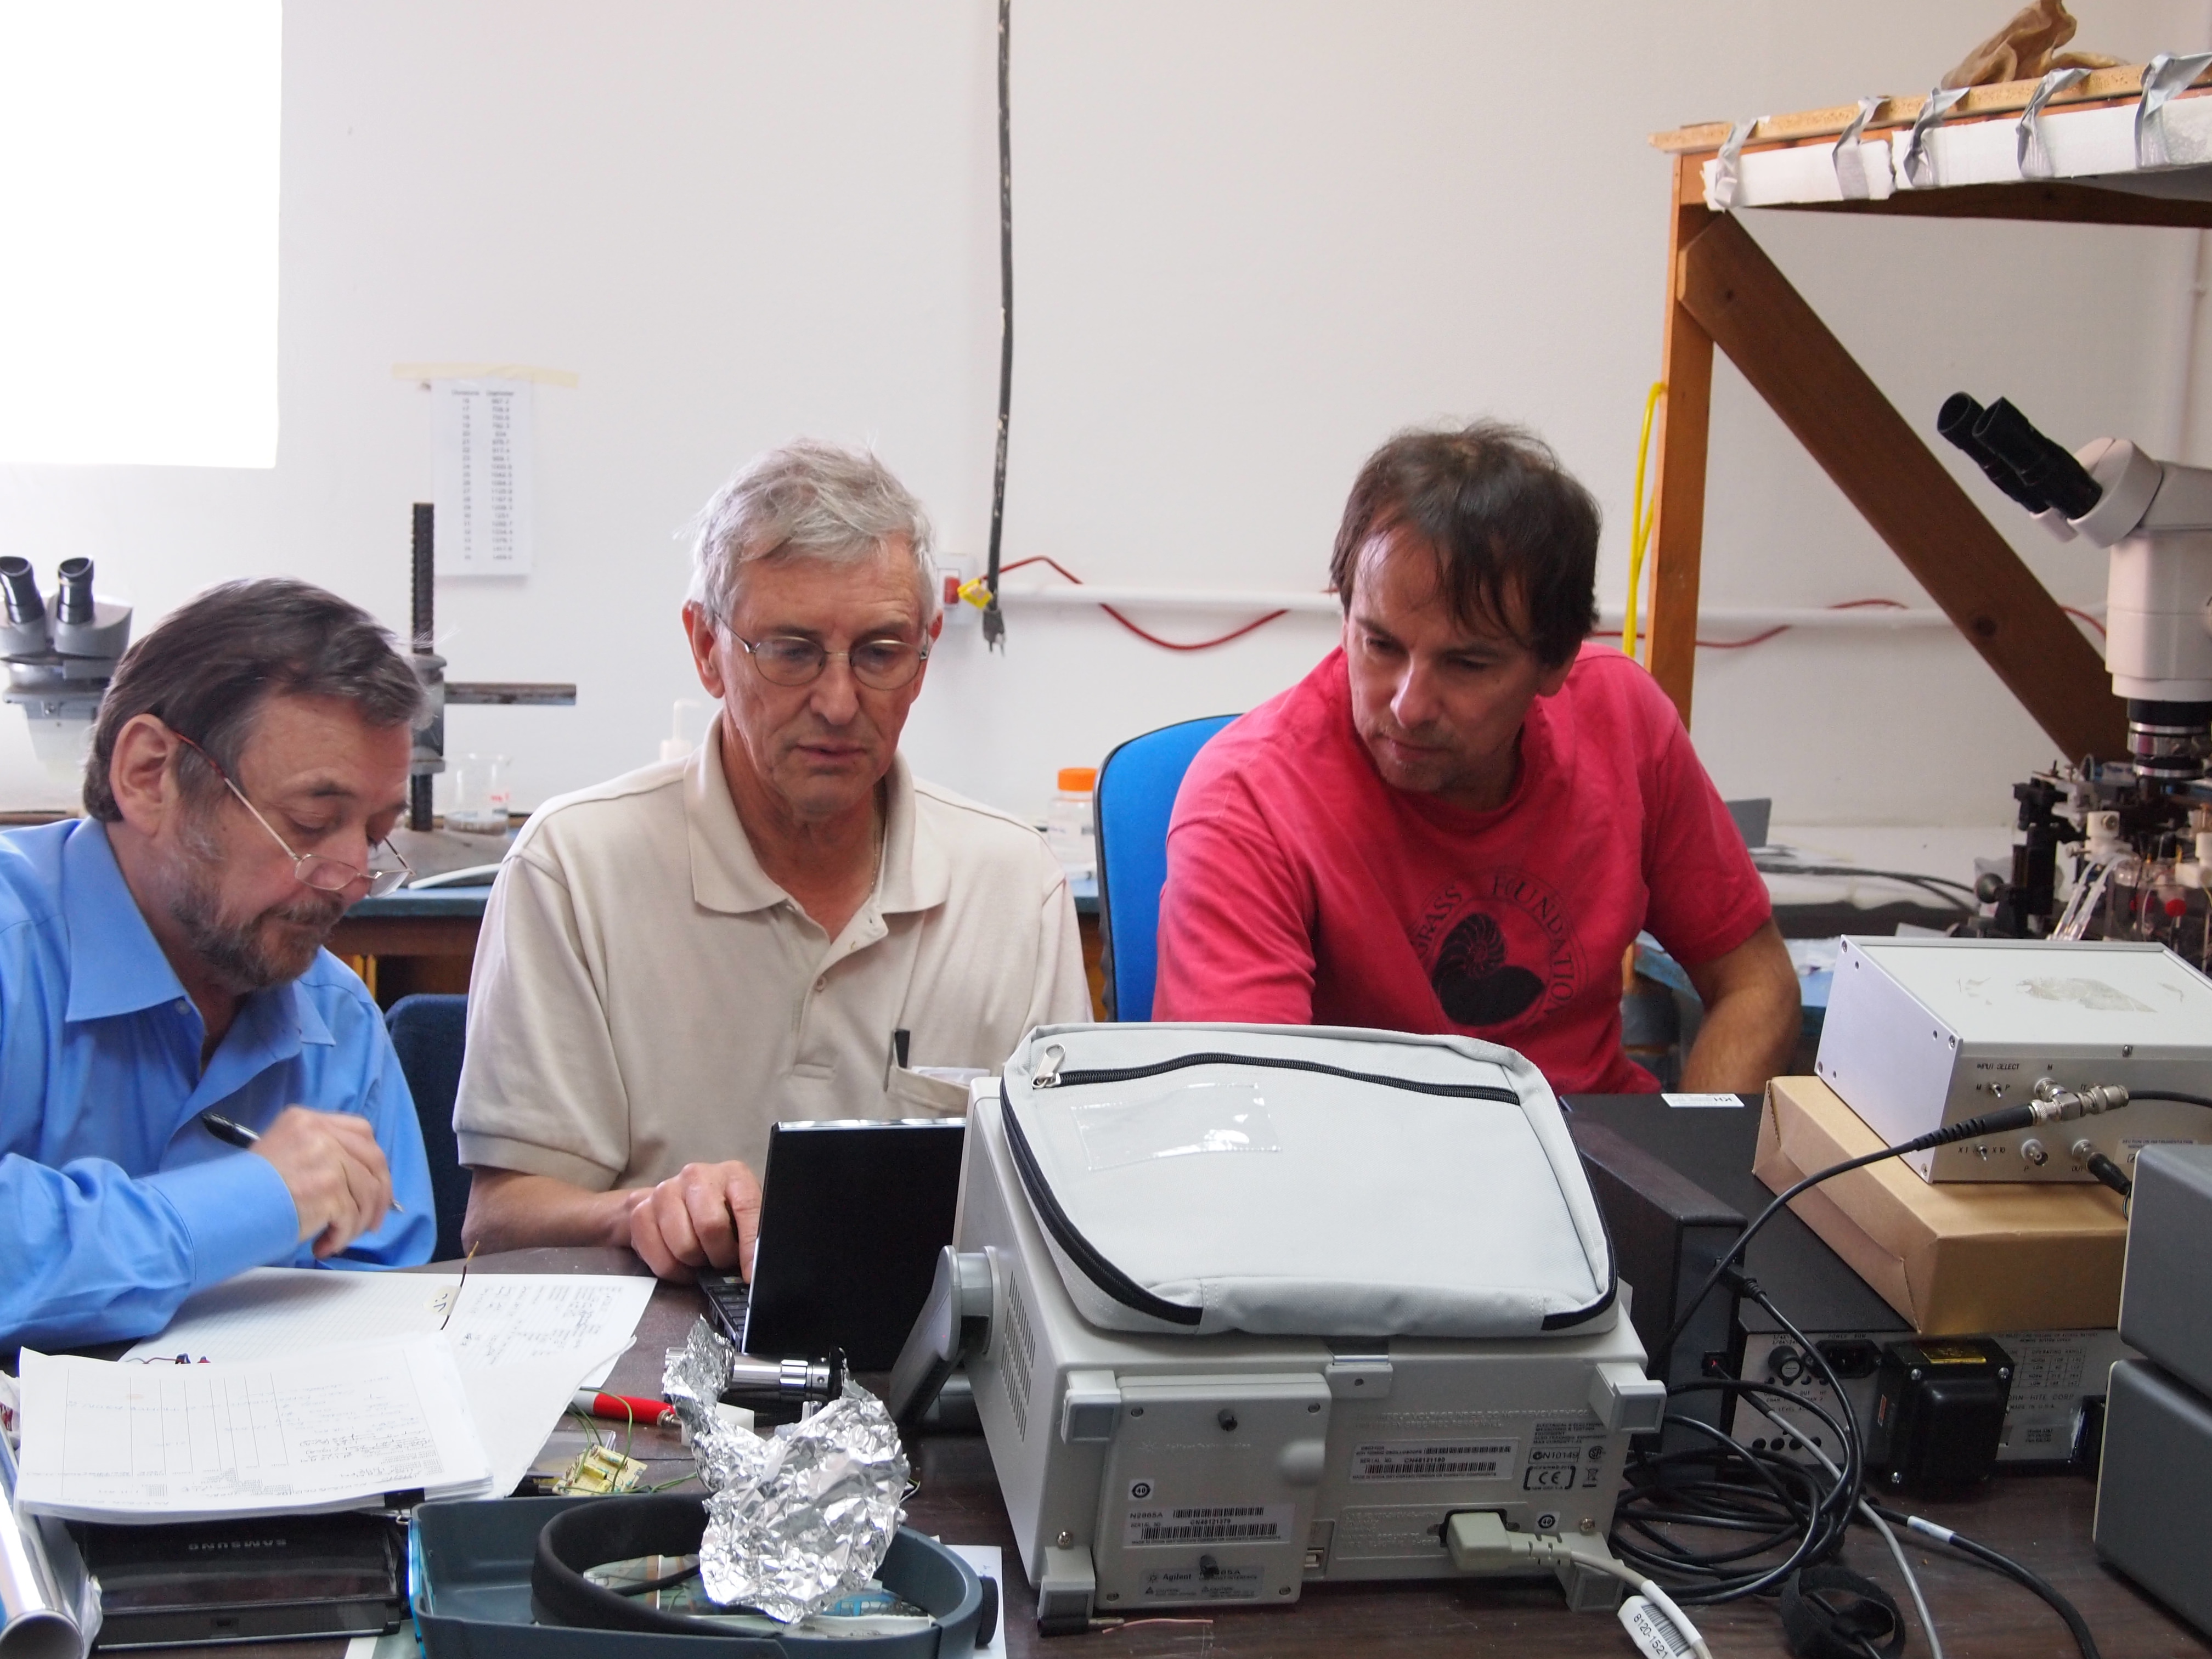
column 1652, row 1630
column 1435, row 1460
column 1222, row 1523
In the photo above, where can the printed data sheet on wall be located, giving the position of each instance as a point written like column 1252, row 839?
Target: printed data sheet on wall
column 485, row 435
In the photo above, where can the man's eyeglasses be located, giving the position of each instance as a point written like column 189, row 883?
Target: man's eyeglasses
column 325, row 875
column 791, row 660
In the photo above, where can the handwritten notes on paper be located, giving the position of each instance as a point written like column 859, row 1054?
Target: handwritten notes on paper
column 483, row 436
column 495, row 1320
column 330, row 1430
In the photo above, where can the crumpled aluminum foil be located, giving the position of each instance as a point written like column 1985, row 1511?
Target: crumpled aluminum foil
column 692, row 1381
column 693, row 1376
column 796, row 1521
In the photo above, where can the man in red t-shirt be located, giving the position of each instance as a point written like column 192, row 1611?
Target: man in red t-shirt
column 1460, row 820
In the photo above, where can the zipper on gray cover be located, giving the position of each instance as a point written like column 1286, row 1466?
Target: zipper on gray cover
column 1051, row 1077
column 1093, row 1263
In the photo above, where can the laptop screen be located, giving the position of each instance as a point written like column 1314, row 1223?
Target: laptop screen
column 853, row 1216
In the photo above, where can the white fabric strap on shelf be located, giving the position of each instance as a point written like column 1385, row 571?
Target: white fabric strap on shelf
column 1919, row 170
column 1728, row 169
column 1850, row 159
column 2034, row 155
column 2163, row 77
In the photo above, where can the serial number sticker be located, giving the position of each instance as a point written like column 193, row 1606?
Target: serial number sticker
column 1220, row 1523
column 1435, row 1460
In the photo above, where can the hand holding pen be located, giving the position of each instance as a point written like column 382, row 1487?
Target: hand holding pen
column 330, row 1164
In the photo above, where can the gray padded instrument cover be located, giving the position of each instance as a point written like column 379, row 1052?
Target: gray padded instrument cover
column 1304, row 1180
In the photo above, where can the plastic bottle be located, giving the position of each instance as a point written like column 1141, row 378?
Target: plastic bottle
column 1068, row 828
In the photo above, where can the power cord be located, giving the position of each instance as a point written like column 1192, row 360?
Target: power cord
column 1776, row 1503
column 1881, row 1526
column 1779, row 1506
column 2011, row 1569
column 1693, row 1489
column 1479, row 1542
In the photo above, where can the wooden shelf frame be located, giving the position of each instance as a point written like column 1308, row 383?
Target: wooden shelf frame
column 1723, row 290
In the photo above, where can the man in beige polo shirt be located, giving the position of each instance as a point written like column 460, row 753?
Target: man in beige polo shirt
column 785, row 925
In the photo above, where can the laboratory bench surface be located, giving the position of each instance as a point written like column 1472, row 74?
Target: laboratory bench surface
column 2042, row 1521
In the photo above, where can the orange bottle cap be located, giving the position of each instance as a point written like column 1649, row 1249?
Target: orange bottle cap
column 1078, row 779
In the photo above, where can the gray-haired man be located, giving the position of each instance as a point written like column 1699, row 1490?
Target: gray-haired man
column 786, row 925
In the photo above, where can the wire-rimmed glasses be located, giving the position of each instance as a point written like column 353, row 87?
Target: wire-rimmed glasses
column 793, row 660
column 323, row 874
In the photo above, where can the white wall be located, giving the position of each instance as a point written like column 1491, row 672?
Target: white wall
column 1252, row 239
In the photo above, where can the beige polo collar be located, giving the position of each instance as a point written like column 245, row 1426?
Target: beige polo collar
column 725, row 875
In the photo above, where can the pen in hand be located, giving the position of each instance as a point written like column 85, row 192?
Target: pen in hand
column 232, row 1133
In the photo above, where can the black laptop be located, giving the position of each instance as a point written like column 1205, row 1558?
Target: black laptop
column 853, row 1216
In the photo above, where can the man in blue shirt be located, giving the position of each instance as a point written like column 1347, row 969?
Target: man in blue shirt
column 161, row 958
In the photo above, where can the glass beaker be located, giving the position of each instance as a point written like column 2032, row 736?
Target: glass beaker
column 481, row 796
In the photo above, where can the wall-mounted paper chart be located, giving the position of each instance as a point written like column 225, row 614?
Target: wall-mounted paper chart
column 484, row 434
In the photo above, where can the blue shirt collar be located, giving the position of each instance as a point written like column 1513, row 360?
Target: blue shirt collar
column 117, row 966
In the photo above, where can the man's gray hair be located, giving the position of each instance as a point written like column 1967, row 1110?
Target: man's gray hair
column 810, row 500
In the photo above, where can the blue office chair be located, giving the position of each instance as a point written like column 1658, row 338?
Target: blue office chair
column 427, row 1032
column 1132, row 802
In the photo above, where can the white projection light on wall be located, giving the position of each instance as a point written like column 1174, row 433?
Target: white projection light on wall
column 139, row 185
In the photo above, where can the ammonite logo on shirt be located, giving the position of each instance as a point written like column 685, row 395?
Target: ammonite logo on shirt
column 1499, row 950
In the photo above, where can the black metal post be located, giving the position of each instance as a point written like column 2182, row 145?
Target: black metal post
column 422, row 605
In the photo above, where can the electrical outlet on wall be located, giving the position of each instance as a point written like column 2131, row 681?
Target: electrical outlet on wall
column 952, row 571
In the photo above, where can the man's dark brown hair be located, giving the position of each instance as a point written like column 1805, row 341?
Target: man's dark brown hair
column 213, row 661
column 1504, row 518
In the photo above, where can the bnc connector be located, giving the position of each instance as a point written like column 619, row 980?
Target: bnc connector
column 2056, row 1102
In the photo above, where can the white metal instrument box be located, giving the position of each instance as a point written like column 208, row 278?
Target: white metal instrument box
column 1924, row 1032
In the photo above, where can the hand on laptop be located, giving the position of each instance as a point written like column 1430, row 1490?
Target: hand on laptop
column 705, row 1215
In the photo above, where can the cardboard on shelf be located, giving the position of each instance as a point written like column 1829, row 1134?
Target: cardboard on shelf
column 1954, row 1258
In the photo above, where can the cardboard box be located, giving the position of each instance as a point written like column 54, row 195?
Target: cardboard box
column 1956, row 1259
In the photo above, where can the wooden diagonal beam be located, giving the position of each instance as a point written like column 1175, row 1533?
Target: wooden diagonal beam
column 1678, row 523
column 1747, row 306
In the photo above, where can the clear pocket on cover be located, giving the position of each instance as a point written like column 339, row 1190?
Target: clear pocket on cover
column 1184, row 1121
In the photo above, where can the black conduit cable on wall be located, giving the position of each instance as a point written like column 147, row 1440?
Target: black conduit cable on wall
column 994, row 621
column 422, row 604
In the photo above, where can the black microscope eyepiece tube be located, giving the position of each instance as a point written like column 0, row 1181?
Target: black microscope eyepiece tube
column 74, row 602
column 1956, row 421
column 2043, row 466
column 19, row 591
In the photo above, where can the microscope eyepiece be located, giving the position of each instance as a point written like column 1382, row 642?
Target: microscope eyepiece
column 19, row 591
column 2043, row 466
column 74, row 602
column 1956, row 421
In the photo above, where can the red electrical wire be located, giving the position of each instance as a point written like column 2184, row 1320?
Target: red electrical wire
column 1759, row 638
column 1765, row 635
column 2083, row 616
column 1149, row 638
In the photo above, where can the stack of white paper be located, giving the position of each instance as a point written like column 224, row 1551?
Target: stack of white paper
column 330, row 1430
column 524, row 1342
